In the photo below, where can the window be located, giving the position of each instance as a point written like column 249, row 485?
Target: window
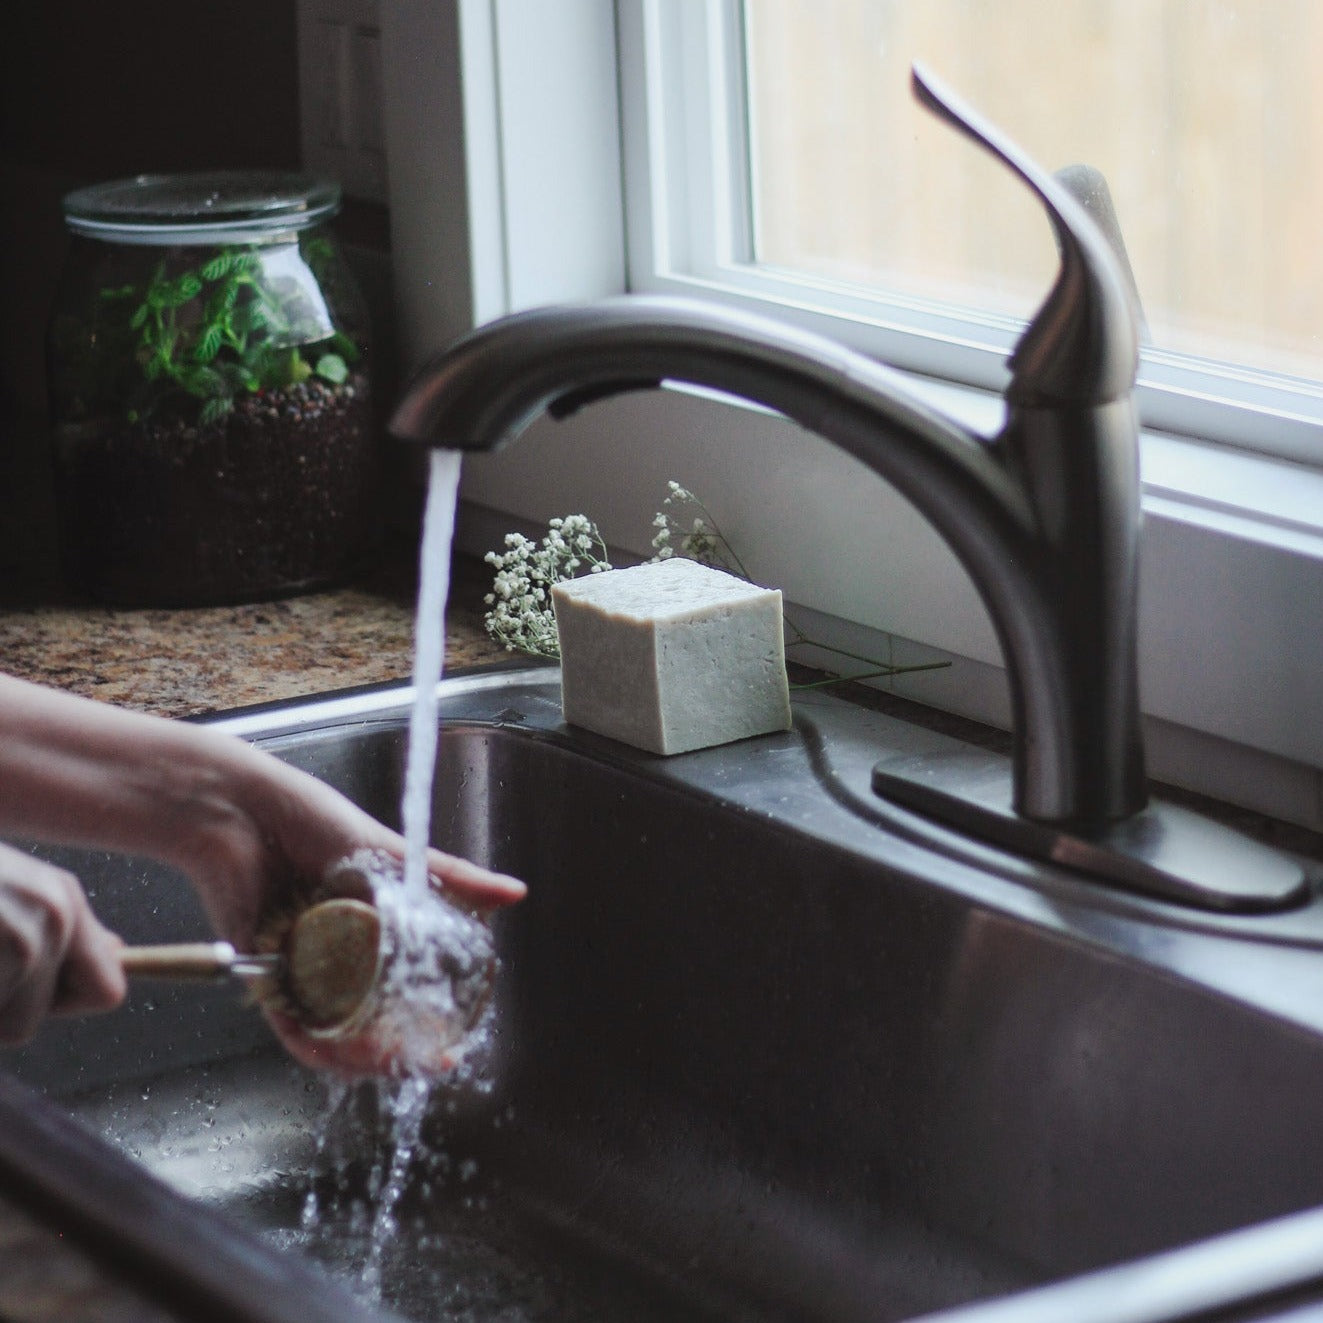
column 804, row 174
column 508, row 123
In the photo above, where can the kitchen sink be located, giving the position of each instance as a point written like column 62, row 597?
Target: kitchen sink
column 763, row 1048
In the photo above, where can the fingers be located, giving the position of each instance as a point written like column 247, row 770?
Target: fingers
column 468, row 884
column 91, row 978
column 54, row 955
column 362, row 1056
column 321, row 822
column 287, row 833
column 326, row 824
column 474, row 884
column 355, row 1058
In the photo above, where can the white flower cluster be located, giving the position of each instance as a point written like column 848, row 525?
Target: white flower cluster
column 521, row 616
column 685, row 528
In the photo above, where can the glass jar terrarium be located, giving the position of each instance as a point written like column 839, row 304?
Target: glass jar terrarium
column 208, row 372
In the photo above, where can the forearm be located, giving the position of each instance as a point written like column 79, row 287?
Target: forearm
column 80, row 772
column 250, row 831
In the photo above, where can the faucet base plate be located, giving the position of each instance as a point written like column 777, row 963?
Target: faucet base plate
column 1165, row 852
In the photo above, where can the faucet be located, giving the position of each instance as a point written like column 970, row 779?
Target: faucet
column 1044, row 516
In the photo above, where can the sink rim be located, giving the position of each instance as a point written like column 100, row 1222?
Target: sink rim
column 837, row 742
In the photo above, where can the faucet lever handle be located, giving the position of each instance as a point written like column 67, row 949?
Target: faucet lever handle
column 1082, row 346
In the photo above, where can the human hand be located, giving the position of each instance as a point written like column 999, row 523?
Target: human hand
column 263, row 834
column 272, row 856
column 55, row 957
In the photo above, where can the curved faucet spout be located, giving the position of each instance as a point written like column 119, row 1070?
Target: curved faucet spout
column 1045, row 516
column 1059, row 590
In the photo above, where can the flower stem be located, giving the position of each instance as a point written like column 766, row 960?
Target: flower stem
column 870, row 675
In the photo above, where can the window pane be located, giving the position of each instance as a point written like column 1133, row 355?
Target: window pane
column 1206, row 117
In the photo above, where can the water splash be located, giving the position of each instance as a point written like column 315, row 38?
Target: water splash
column 435, row 972
column 436, row 979
column 336, row 1093
column 405, row 1101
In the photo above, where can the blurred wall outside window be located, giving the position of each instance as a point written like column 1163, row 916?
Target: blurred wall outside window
column 1205, row 116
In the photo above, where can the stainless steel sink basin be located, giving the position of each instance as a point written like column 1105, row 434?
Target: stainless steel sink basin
column 765, row 1049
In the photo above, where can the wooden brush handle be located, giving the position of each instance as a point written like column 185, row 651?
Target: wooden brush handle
column 187, row 960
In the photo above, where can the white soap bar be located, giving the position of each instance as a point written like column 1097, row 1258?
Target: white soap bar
column 671, row 656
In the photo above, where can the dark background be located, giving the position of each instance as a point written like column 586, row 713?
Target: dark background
column 99, row 89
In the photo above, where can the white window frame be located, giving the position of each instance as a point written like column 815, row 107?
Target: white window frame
column 690, row 232
column 506, row 191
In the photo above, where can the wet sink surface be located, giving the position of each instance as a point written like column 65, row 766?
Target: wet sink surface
column 757, row 1055
column 259, row 1138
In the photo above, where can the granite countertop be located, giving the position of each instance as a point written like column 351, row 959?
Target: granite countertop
column 207, row 659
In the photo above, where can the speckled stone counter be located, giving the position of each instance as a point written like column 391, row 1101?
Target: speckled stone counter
column 208, row 659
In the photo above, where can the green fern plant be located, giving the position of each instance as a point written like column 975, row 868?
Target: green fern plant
column 218, row 331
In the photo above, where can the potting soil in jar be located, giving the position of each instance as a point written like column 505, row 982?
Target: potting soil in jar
column 213, row 428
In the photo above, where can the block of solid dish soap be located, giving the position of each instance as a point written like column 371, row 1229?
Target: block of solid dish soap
column 671, row 656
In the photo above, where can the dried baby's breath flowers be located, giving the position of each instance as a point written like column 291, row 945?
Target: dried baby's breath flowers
column 521, row 617
column 686, row 528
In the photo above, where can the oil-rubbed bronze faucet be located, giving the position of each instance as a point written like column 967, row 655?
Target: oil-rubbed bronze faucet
column 1044, row 516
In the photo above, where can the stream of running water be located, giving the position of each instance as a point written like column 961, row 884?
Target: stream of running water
column 428, row 662
column 402, row 1102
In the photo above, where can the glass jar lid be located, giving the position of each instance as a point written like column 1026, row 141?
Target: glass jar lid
column 218, row 206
